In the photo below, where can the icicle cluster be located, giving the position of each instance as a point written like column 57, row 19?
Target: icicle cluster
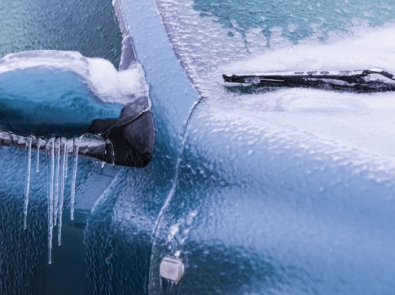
column 57, row 158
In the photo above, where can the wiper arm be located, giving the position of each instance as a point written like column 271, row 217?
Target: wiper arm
column 358, row 81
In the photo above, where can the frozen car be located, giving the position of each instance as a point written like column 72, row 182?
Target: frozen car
column 249, row 190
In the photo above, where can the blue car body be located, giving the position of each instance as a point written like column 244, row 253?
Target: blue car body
column 248, row 201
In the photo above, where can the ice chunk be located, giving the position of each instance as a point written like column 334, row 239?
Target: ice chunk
column 59, row 93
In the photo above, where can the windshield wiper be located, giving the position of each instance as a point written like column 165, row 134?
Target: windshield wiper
column 373, row 80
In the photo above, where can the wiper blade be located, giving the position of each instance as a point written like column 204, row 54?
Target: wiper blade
column 372, row 80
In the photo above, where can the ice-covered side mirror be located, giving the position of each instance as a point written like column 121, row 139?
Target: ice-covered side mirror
column 61, row 94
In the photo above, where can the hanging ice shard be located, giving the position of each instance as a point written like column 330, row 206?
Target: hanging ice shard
column 56, row 195
column 27, row 185
column 51, row 174
column 61, row 196
column 76, row 145
column 38, row 142
column 65, row 159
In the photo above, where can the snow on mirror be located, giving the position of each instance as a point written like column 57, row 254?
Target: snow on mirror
column 66, row 104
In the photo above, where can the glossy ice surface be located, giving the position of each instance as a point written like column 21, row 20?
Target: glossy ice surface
column 284, row 191
column 87, row 26
column 60, row 93
column 295, row 20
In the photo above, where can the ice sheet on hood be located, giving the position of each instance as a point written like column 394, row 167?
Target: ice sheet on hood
column 361, row 121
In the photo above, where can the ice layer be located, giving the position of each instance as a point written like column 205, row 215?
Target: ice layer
column 60, row 93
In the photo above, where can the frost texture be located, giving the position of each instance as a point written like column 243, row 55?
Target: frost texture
column 207, row 35
column 295, row 19
column 89, row 27
column 292, row 186
column 206, row 52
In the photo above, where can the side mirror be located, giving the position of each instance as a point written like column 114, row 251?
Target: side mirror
column 61, row 94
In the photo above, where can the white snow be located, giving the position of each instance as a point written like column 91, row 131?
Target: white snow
column 366, row 48
column 361, row 121
column 358, row 121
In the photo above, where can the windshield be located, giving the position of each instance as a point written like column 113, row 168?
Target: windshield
column 216, row 37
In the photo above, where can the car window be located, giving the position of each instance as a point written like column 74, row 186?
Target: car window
column 87, row 26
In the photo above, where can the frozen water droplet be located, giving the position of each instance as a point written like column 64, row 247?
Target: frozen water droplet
column 27, row 185
column 76, row 144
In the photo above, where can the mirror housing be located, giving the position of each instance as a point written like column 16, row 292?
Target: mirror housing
column 62, row 94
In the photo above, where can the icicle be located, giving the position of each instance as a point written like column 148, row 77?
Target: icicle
column 61, row 198
column 67, row 161
column 38, row 155
column 51, row 172
column 112, row 152
column 27, row 185
column 76, row 145
column 56, row 199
